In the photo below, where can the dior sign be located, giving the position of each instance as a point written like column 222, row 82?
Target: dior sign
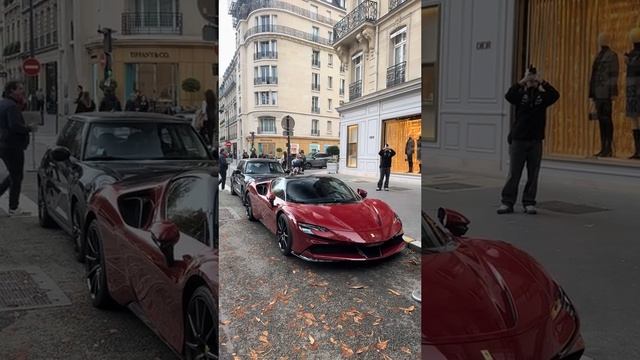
column 150, row 54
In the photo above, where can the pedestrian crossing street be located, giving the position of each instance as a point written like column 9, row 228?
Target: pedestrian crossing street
column 26, row 204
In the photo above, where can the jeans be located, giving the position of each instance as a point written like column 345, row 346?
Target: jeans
column 14, row 161
column 604, row 110
column 523, row 153
column 384, row 175
column 223, row 178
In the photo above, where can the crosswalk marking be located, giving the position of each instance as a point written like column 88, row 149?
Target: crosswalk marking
column 25, row 203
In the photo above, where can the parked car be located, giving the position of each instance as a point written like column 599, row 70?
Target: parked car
column 317, row 160
column 152, row 246
column 321, row 218
column 249, row 170
column 484, row 299
column 95, row 149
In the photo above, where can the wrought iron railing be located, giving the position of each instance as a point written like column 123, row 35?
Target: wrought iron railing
column 315, row 109
column 265, row 55
column 367, row 11
column 395, row 3
column 315, row 87
column 265, row 80
column 315, row 132
column 315, row 62
column 240, row 9
column 281, row 29
column 267, row 130
column 355, row 90
column 396, row 74
column 134, row 23
column 342, row 92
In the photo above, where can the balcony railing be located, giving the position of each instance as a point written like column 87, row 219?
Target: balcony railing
column 343, row 68
column 342, row 92
column 267, row 130
column 355, row 90
column 265, row 55
column 281, row 29
column 396, row 74
column 315, row 109
column 267, row 80
column 315, row 63
column 395, row 3
column 240, row 10
column 151, row 23
column 366, row 11
column 315, row 87
column 315, row 132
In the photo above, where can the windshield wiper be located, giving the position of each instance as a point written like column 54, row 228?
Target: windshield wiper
column 105, row 157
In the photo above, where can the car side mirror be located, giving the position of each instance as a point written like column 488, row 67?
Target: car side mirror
column 362, row 193
column 271, row 197
column 453, row 221
column 166, row 234
column 60, row 153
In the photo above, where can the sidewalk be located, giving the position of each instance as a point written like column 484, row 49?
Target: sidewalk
column 404, row 197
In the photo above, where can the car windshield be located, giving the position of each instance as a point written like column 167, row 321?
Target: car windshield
column 320, row 190
column 144, row 141
column 434, row 237
column 264, row 167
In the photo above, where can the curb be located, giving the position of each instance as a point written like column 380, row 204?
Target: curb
column 413, row 244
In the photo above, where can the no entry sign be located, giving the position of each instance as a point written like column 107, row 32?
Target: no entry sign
column 31, row 67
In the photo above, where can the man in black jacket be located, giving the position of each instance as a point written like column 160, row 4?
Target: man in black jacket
column 14, row 139
column 531, row 96
column 386, row 154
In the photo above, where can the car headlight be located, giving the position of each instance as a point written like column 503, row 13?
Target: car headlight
column 309, row 229
column 561, row 302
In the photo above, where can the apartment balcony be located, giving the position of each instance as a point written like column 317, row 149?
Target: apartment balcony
column 395, row 3
column 356, row 22
column 315, row 63
column 240, row 10
column 267, row 131
column 315, row 87
column 315, row 109
column 151, row 23
column 265, row 55
column 285, row 30
column 396, row 74
column 355, row 90
column 315, row 132
column 267, row 80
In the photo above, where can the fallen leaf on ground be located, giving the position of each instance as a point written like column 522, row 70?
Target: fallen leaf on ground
column 382, row 345
column 263, row 339
column 358, row 286
column 311, row 340
column 309, row 316
column 408, row 310
column 386, row 357
column 394, row 292
column 320, row 284
column 346, row 351
column 361, row 350
column 225, row 322
column 333, row 341
column 405, row 350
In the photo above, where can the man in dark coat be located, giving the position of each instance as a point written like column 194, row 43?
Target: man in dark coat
column 14, row 139
column 110, row 102
column 531, row 96
column 386, row 154
column 408, row 151
column 224, row 165
column 603, row 87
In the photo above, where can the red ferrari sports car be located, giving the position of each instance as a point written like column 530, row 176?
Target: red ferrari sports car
column 152, row 245
column 321, row 218
column 488, row 300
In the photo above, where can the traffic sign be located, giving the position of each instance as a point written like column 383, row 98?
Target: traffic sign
column 31, row 67
column 288, row 123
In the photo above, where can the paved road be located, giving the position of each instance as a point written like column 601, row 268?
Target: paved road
column 279, row 307
column 76, row 331
column 595, row 256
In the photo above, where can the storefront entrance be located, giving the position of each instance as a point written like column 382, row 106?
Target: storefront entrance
column 560, row 38
column 403, row 135
column 158, row 82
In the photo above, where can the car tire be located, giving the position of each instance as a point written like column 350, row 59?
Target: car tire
column 249, row 209
column 201, row 334
column 78, row 240
column 233, row 192
column 283, row 235
column 45, row 220
column 308, row 166
column 95, row 269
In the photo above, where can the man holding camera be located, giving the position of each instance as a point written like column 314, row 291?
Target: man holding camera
column 531, row 97
column 386, row 154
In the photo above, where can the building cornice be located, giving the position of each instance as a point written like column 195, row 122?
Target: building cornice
column 398, row 90
column 149, row 41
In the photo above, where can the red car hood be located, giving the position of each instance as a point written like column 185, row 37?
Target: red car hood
column 367, row 221
column 480, row 290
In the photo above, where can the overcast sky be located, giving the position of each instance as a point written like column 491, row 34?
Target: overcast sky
column 227, row 39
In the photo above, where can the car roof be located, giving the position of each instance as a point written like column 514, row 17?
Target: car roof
column 260, row 160
column 125, row 116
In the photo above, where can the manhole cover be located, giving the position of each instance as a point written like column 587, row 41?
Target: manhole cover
column 451, row 186
column 28, row 288
column 569, row 208
column 227, row 214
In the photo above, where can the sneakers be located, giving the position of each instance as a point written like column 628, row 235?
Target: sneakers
column 19, row 212
column 378, row 189
column 504, row 209
column 386, row 189
column 530, row 209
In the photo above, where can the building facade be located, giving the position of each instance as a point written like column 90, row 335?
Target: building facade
column 230, row 123
column 285, row 66
column 467, row 70
column 379, row 43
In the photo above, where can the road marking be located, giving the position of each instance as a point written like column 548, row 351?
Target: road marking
column 25, row 203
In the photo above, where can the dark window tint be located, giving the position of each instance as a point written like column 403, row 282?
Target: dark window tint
column 66, row 134
column 241, row 165
column 320, row 190
column 189, row 207
column 75, row 139
column 263, row 168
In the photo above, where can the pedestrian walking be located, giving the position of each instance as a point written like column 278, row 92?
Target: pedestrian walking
column 419, row 153
column 253, row 154
column 40, row 100
column 14, row 139
column 85, row 104
column 132, row 102
column 223, row 167
column 244, row 154
column 386, row 154
column 144, row 104
column 110, row 102
column 531, row 96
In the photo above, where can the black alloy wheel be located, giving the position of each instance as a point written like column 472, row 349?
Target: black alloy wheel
column 283, row 235
column 78, row 243
column 201, row 326
column 95, row 269
column 45, row 220
column 249, row 208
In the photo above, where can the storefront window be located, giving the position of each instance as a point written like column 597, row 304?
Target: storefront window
column 565, row 58
column 403, row 136
column 430, row 46
column 266, row 149
column 158, row 82
column 352, row 146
